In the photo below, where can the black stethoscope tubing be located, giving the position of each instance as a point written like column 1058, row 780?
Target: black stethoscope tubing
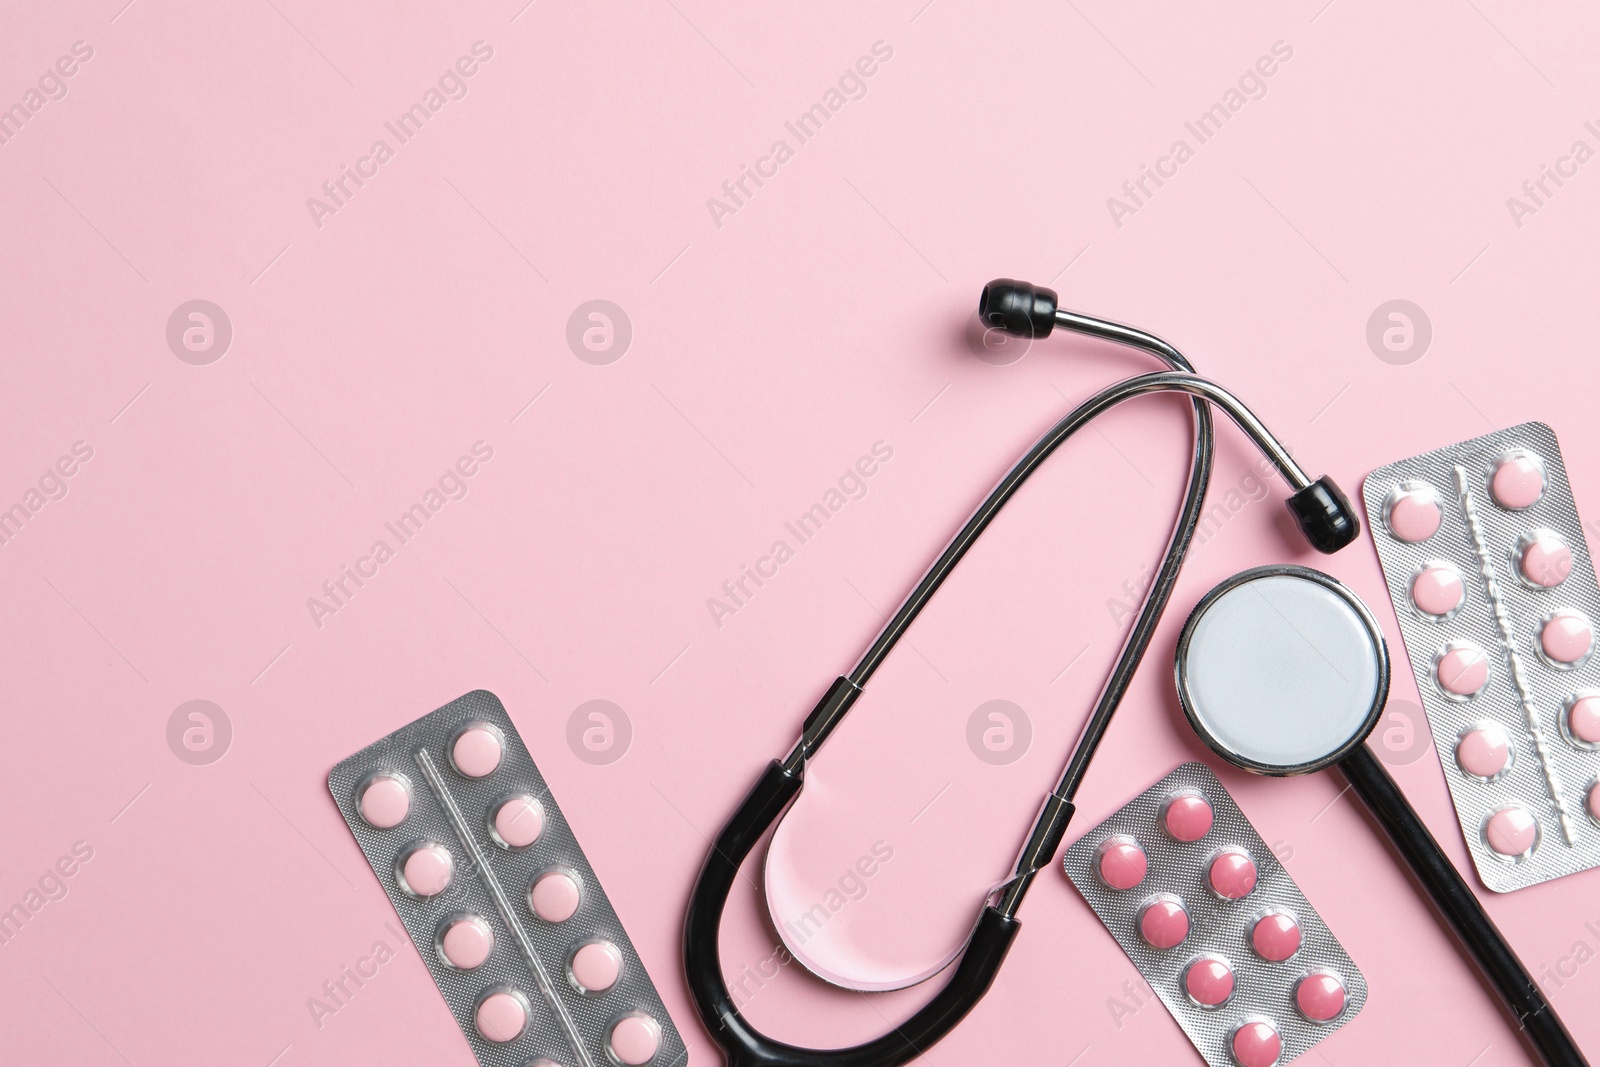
column 1459, row 906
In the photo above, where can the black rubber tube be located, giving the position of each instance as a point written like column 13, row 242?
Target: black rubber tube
column 1460, row 908
column 747, row 1047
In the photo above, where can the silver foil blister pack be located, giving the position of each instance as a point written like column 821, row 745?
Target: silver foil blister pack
column 497, row 896
column 1257, row 977
column 1492, row 582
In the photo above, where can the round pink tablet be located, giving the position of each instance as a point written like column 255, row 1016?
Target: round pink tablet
column 1438, row 589
column 1208, row 981
column 1594, row 802
column 1583, row 719
column 1544, row 560
column 1518, row 481
column 1232, row 875
column 1414, row 513
column 476, row 751
column 1275, row 936
column 554, row 897
column 427, row 870
column 519, row 821
column 1463, row 669
column 466, row 943
column 1256, row 1044
column 635, row 1039
column 502, row 1017
column 1122, row 863
column 1320, row 997
column 1484, row 751
column 1187, row 817
column 595, row 966
column 1566, row 637
column 385, row 802
column 1512, row 831
column 1164, row 923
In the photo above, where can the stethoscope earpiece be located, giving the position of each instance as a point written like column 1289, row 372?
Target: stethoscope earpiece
column 1325, row 516
column 1018, row 308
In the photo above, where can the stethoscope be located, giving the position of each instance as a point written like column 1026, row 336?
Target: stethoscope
column 1325, row 517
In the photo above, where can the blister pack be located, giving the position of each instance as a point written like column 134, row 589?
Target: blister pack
column 1215, row 924
column 1491, row 579
column 498, row 897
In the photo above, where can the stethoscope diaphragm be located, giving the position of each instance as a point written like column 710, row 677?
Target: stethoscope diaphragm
column 1282, row 670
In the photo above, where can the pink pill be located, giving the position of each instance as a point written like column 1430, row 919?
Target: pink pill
column 1208, row 981
column 466, row 943
column 1594, row 802
column 1256, row 1044
column 1232, row 874
column 635, row 1039
column 1566, row 637
column 1121, row 863
column 1414, row 513
column 1275, row 936
column 427, row 870
column 555, row 896
column 385, row 801
column 1187, row 817
column 1544, row 560
column 502, row 1017
column 1463, row 669
column 595, row 967
column 1320, row 997
column 1164, row 923
column 1438, row 589
column 1518, row 481
column 1512, row 831
column 1484, row 751
column 1583, row 719
column 519, row 821
column 476, row 752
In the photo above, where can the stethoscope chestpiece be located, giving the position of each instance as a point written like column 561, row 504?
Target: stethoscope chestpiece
column 1282, row 670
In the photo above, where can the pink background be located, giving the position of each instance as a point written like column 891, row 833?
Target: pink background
column 768, row 353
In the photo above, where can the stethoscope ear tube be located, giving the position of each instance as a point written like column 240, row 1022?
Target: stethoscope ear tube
column 747, row 1047
column 1460, row 907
